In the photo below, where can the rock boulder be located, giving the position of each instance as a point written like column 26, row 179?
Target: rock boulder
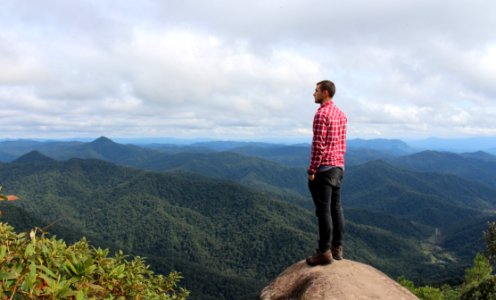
column 344, row 279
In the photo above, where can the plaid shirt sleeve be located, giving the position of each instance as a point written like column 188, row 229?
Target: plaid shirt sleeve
column 329, row 138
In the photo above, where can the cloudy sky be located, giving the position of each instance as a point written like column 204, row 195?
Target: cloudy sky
column 245, row 70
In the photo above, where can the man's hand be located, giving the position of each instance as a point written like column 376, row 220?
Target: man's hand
column 311, row 177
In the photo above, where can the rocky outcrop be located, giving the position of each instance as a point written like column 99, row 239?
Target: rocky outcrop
column 344, row 279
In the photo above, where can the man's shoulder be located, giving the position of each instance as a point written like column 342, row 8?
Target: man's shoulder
column 331, row 110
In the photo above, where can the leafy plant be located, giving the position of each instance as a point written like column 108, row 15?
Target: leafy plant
column 33, row 266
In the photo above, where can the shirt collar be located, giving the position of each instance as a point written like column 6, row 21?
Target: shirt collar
column 327, row 103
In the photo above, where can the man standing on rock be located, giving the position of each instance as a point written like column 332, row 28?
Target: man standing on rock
column 325, row 174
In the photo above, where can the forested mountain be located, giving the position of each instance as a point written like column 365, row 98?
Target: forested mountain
column 292, row 155
column 480, row 155
column 222, row 217
column 6, row 156
column 391, row 147
column 17, row 148
column 227, row 239
column 478, row 166
column 101, row 148
column 222, row 235
column 252, row 171
column 359, row 151
column 24, row 221
column 379, row 186
column 33, row 157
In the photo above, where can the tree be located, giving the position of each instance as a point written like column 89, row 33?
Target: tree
column 490, row 238
column 480, row 271
column 484, row 290
column 423, row 292
column 479, row 283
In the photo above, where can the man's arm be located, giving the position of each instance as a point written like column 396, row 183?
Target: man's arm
column 318, row 143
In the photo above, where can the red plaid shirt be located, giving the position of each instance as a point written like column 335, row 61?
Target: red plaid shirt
column 329, row 137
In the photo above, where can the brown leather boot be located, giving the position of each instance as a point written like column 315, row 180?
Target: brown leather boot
column 337, row 252
column 320, row 258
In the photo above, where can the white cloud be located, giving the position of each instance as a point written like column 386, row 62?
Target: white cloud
column 225, row 70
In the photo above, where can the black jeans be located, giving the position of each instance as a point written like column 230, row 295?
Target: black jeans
column 326, row 195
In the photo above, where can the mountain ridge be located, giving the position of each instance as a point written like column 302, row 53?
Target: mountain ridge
column 474, row 166
column 176, row 217
column 391, row 210
column 33, row 157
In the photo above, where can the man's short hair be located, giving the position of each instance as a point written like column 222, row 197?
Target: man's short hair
column 327, row 85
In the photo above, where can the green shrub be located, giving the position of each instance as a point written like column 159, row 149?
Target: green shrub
column 480, row 271
column 479, row 283
column 33, row 266
column 484, row 290
column 490, row 239
column 424, row 292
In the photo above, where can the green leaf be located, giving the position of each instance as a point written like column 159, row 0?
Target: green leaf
column 30, row 279
column 80, row 296
column 65, row 290
column 69, row 268
column 3, row 251
column 29, row 251
column 47, row 271
column 49, row 281
column 117, row 271
column 8, row 275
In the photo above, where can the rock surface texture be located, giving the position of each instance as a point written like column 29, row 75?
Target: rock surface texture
column 344, row 279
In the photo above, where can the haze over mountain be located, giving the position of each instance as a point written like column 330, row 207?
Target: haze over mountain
column 468, row 144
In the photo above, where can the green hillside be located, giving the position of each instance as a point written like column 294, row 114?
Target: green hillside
column 181, row 220
column 226, row 238
column 251, row 171
column 479, row 166
column 438, row 200
column 222, row 228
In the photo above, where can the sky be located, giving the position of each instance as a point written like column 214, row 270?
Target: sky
column 246, row 70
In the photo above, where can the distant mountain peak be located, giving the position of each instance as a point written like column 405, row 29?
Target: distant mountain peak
column 103, row 140
column 106, row 149
column 33, row 157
